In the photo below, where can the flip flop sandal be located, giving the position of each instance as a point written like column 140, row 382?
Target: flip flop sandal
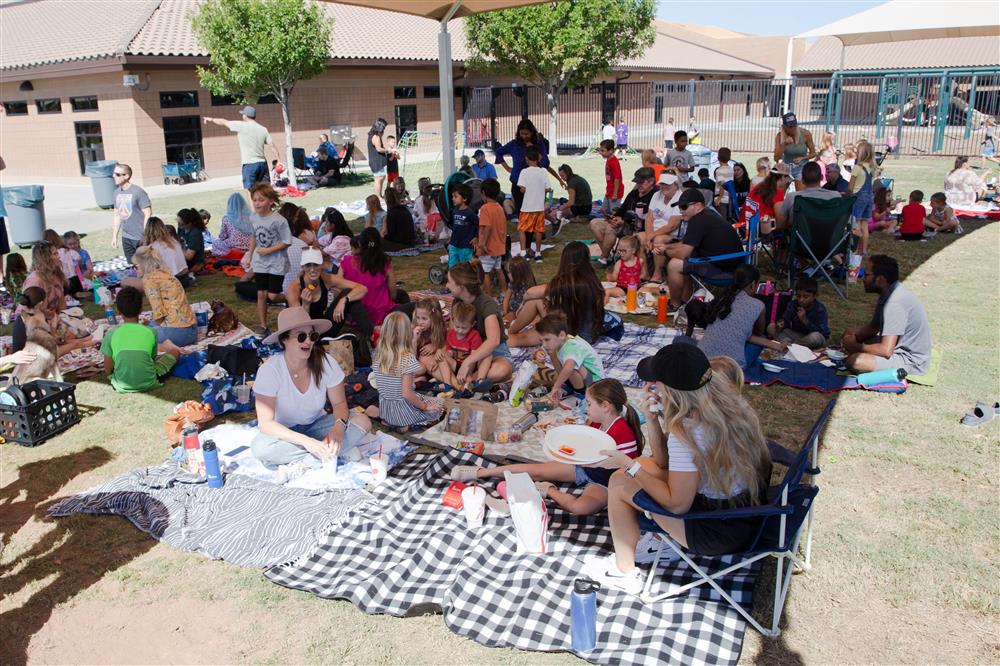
column 497, row 504
column 995, row 407
column 978, row 417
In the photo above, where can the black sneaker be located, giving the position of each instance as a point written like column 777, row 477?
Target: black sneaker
column 538, row 258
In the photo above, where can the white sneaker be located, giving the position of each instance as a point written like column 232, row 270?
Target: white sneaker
column 605, row 571
column 645, row 550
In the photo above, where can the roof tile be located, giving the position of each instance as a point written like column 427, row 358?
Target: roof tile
column 824, row 55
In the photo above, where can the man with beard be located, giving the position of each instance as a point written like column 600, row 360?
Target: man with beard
column 898, row 336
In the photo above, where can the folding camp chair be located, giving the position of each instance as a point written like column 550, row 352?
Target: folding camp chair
column 786, row 513
column 820, row 229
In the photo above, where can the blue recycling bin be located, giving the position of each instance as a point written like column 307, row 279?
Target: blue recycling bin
column 101, row 181
column 25, row 213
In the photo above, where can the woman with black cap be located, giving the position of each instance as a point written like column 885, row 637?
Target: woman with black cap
column 709, row 441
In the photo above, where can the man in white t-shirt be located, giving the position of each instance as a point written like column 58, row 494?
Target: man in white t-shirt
column 663, row 224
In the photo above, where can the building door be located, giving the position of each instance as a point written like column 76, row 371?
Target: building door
column 406, row 120
column 89, row 144
column 182, row 138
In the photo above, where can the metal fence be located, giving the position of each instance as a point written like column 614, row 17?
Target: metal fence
column 919, row 113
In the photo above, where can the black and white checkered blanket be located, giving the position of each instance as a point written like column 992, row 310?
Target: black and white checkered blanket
column 406, row 550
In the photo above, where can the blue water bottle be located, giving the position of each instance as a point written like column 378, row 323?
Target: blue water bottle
column 877, row 377
column 109, row 314
column 212, row 470
column 583, row 615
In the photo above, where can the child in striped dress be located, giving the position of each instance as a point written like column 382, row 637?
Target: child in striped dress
column 395, row 368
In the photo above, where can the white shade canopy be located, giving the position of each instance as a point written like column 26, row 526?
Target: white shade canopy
column 908, row 20
column 444, row 11
column 438, row 9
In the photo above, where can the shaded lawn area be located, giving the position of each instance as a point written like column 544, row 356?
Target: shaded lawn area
column 904, row 557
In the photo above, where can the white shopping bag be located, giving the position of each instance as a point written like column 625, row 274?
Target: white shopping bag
column 527, row 509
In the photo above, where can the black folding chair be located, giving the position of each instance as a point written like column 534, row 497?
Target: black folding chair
column 820, row 229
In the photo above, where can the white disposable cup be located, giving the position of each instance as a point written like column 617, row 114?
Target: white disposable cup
column 242, row 394
column 474, row 505
column 380, row 468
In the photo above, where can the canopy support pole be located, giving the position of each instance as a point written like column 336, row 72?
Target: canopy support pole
column 446, row 86
column 788, row 74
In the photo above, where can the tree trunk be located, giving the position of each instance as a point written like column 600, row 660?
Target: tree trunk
column 553, row 100
column 289, row 158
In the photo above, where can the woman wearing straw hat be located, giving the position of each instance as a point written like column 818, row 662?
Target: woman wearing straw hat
column 292, row 389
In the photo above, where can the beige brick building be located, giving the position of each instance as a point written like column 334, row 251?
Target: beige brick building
column 64, row 102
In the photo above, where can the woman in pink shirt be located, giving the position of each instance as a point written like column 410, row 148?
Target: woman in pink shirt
column 369, row 265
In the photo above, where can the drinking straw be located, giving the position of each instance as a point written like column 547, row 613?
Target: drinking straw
column 380, row 450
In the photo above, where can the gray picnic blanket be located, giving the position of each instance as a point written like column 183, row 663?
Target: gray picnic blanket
column 247, row 522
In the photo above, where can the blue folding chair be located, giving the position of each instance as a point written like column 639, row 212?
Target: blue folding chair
column 786, row 513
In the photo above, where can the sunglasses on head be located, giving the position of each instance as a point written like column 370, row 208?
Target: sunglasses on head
column 301, row 336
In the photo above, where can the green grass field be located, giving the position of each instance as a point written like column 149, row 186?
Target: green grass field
column 907, row 522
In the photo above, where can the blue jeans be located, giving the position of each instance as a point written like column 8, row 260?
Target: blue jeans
column 255, row 173
column 274, row 451
column 180, row 336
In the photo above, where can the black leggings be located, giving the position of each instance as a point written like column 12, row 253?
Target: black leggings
column 355, row 311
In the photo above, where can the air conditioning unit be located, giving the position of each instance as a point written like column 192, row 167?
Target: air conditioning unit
column 130, row 80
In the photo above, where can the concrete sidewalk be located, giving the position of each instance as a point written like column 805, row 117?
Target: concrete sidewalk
column 66, row 206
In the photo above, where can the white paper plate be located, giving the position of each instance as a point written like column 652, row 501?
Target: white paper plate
column 586, row 441
column 770, row 367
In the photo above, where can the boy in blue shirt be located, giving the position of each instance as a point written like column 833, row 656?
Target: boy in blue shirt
column 464, row 226
column 805, row 320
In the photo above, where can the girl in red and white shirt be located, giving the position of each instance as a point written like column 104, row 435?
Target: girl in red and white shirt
column 608, row 410
column 626, row 270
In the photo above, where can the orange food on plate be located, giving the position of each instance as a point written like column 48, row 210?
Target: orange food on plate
column 568, row 450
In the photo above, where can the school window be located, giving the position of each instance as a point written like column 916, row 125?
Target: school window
column 406, row 119
column 225, row 100
column 182, row 138
column 658, row 109
column 817, row 102
column 89, row 143
column 15, row 108
column 267, row 99
column 178, row 99
column 404, row 92
column 432, row 92
column 88, row 103
column 49, row 105
column 578, row 90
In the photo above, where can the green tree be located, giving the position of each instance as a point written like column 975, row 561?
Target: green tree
column 261, row 47
column 560, row 44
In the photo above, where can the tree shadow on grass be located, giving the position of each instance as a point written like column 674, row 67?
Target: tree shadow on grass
column 72, row 555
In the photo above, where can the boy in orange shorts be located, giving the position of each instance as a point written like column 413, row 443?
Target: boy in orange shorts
column 533, row 181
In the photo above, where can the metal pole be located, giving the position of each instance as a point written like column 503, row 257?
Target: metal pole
column 788, row 74
column 447, row 88
column 971, row 109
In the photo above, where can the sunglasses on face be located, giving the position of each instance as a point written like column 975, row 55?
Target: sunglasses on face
column 683, row 206
column 302, row 336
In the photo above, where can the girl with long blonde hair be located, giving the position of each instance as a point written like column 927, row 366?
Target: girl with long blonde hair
column 429, row 345
column 395, row 369
column 47, row 273
column 709, row 453
column 862, row 185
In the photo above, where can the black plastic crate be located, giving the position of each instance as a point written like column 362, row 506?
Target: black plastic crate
column 47, row 409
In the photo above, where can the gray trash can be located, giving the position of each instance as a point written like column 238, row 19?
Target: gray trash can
column 702, row 159
column 100, row 179
column 25, row 213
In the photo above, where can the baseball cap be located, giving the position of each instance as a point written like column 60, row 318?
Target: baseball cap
column 643, row 173
column 680, row 366
column 311, row 256
column 479, row 151
column 249, row 112
column 789, row 120
column 669, row 179
column 688, row 197
column 782, row 168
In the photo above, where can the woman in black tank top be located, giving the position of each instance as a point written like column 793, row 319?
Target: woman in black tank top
column 312, row 291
